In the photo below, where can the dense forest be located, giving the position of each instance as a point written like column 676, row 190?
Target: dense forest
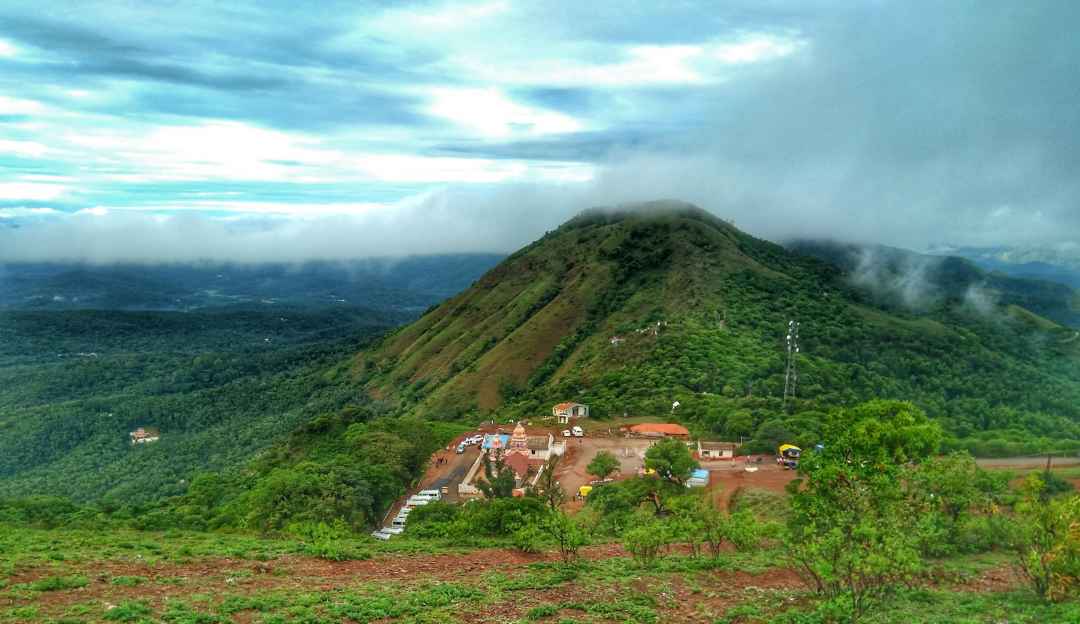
column 218, row 385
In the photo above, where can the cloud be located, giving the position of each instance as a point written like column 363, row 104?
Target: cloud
column 459, row 221
column 904, row 123
column 29, row 190
column 494, row 115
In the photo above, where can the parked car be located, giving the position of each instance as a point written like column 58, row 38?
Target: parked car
column 394, row 530
column 476, row 439
column 460, row 448
column 381, row 535
column 432, row 494
column 578, row 432
column 406, row 510
column 417, row 501
column 566, row 433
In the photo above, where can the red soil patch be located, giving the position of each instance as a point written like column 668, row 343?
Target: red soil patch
column 768, row 477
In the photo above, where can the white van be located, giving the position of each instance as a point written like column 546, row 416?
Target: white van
column 432, row 494
column 417, row 501
column 398, row 522
column 577, row 431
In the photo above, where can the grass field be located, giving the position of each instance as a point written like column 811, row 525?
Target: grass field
column 193, row 578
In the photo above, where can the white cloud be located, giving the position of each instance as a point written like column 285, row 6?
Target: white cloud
column 756, row 49
column 20, row 212
column 22, row 148
column 706, row 62
column 7, row 49
column 444, row 17
column 30, row 191
column 17, row 106
column 492, row 114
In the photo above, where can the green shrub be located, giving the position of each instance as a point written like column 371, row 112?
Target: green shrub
column 529, row 539
column 646, row 541
column 130, row 611
column 543, row 611
column 59, row 583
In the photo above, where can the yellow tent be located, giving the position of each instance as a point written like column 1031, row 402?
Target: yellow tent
column 584, row 490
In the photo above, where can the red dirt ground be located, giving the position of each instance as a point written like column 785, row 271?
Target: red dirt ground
column 731, row 477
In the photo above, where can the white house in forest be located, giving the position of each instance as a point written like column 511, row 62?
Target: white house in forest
column 565, row 411
column 145, row 435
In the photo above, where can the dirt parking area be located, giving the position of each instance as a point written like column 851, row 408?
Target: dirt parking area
column 580, row 451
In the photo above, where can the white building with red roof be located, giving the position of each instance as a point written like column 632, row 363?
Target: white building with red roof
column 565, row 411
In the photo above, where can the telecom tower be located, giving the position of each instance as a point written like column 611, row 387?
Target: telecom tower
column 791, row 377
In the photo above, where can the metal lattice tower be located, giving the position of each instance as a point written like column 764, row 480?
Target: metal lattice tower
column 791, row 377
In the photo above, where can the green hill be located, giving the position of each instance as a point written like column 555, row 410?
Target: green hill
column 631, row 310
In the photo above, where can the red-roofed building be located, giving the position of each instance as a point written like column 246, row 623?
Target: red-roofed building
column 565, row 411
column 659, row 430
column 145, row 435
column 519, row 464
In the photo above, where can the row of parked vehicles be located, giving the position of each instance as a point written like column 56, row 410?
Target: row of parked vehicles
column 469, row 441
column 397, row 525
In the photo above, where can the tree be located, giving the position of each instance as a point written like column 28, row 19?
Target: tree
column 645, row 541
column 1048, row 541
column 547, row 488
column 850, row 532
column 603, row 465
column 498, row 480
column 671, row 459
column 945, row 492
column 566, row 533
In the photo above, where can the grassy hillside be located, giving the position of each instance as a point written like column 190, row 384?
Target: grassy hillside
column 702, row 311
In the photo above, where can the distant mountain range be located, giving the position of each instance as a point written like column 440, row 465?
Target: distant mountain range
column 1060, row 264
column 406, row 285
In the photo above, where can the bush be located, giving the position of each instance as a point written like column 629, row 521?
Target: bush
column 529, row 539
column 130, row 611
column 646, row 541
column 1047, row 541
column 59, row 583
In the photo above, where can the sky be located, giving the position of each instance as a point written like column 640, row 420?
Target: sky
column 174, row 131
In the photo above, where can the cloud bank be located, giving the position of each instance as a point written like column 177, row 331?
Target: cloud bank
column 263, row 132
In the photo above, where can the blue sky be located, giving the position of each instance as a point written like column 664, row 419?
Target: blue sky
column 185, row 130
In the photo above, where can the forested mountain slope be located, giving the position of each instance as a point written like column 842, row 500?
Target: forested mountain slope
column 631, row 310
column 219, row 386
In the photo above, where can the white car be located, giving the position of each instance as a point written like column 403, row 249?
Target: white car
column 476, row 439
column 381, row 535
column 566, row 433
column 432, row 494
column 394, row 530
column 578, row 432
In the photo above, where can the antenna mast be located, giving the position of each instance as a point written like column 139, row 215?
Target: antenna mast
column 791, row 377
